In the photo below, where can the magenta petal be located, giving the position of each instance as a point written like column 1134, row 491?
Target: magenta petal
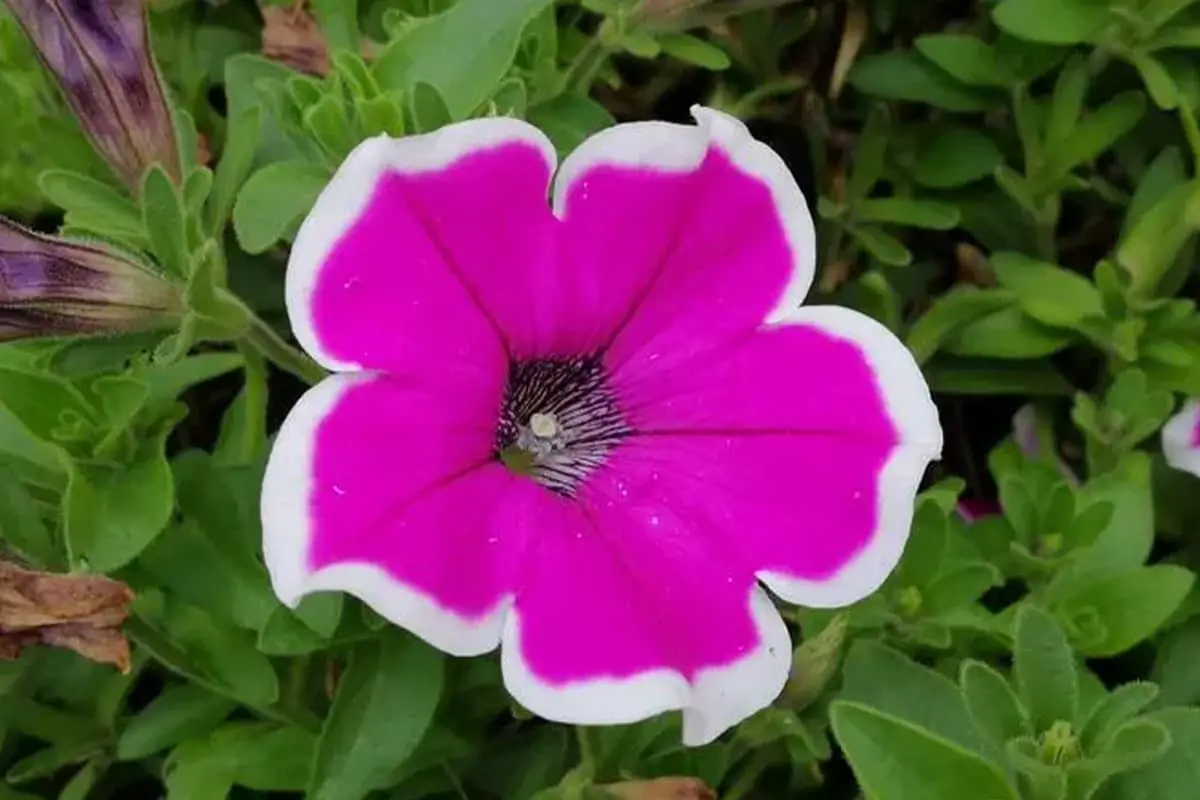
column 1181, row 439
column 803, row 445
column 391, row 493
column 676, row 237
column 624, row 612
column 417, row 257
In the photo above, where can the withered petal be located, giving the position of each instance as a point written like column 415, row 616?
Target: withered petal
column 99, row 52
column 54, row 287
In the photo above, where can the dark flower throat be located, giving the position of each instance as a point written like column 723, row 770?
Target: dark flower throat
column 559, row 420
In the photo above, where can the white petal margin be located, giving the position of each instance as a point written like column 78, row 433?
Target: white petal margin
column 909, row 405
column 672, row 148
column 1179, row 437
column 717, row 699
column 287, row 534
column 345, row 198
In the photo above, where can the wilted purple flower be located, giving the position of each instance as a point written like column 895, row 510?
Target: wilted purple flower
column 54, row 287
column 1028, row 440
column 99, row 51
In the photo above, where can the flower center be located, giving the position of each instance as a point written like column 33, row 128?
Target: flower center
column 559, row 420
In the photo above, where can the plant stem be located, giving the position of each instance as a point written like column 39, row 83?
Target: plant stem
column 583, row 70
column 263, row 338
column 748, row 779
column 1192, row 131
column 587, row 757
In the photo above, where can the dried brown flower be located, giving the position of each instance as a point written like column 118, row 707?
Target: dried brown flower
column 661, row 789
column 82, row 613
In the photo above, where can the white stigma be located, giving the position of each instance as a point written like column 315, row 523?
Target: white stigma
column 544, row 426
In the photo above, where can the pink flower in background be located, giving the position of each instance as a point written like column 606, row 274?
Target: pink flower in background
column 1181, row 439
column 1025, row 435
column 585, row 430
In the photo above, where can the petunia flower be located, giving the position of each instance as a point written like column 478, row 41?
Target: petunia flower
column 1181, row 439
column 587, row 430
column 99, row 52
column 56, row 287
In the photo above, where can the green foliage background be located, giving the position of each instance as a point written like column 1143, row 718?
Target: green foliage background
column 1013, row 187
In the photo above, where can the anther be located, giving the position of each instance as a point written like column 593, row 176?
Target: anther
column 544, row 426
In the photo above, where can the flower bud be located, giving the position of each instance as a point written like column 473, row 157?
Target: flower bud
column 99, row 52
column 54, row 287
column 661, row 789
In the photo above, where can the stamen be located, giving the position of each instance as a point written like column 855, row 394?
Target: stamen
column 560, row 415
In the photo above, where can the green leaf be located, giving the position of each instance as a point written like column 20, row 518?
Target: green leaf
column 925, row 550
column 568, row 119
column 339, row 23
column 177, row 714
column 1048, row 293
column 1134, row 744
column 511, row 98
column 384, row 704
column 284, row 635
column 1007, row 333
column 111, row 514
column 1096, row 132
column 165, row 222
column 887, row 680
column 227, row 584
column 1175, row 662
column 882, row 246
column 277, row 760
column 895, row 760
column 1173, row 776
column 1114, row 710
column 354, row 72
column 98, row 202
column 273, row 200
column 1150, row 248
column 166, row 382
column 463, row 52
column 977, row 376
column 905, row 75
column 694, row 50
column 237, row 159
column 1162, row 87
column 968, row 58
column 50, row 760
column 39, row 401
column 960, row 586
column 217, row 657
column 949, row 313
column 329, row 123
column 1060, row 22
column 187, row 777
column 1125, row 543
column 1131, row 607
column 427, row 107
column 260, row 756
column 321, row 613
column 954, row 158
column 82, row 783
column 21, row 524
column 869, row 152
column 1044, row 668
column 1066, row 104
column 248, row 77
column 993, row 705
column 640, row 44
column 907, row 212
